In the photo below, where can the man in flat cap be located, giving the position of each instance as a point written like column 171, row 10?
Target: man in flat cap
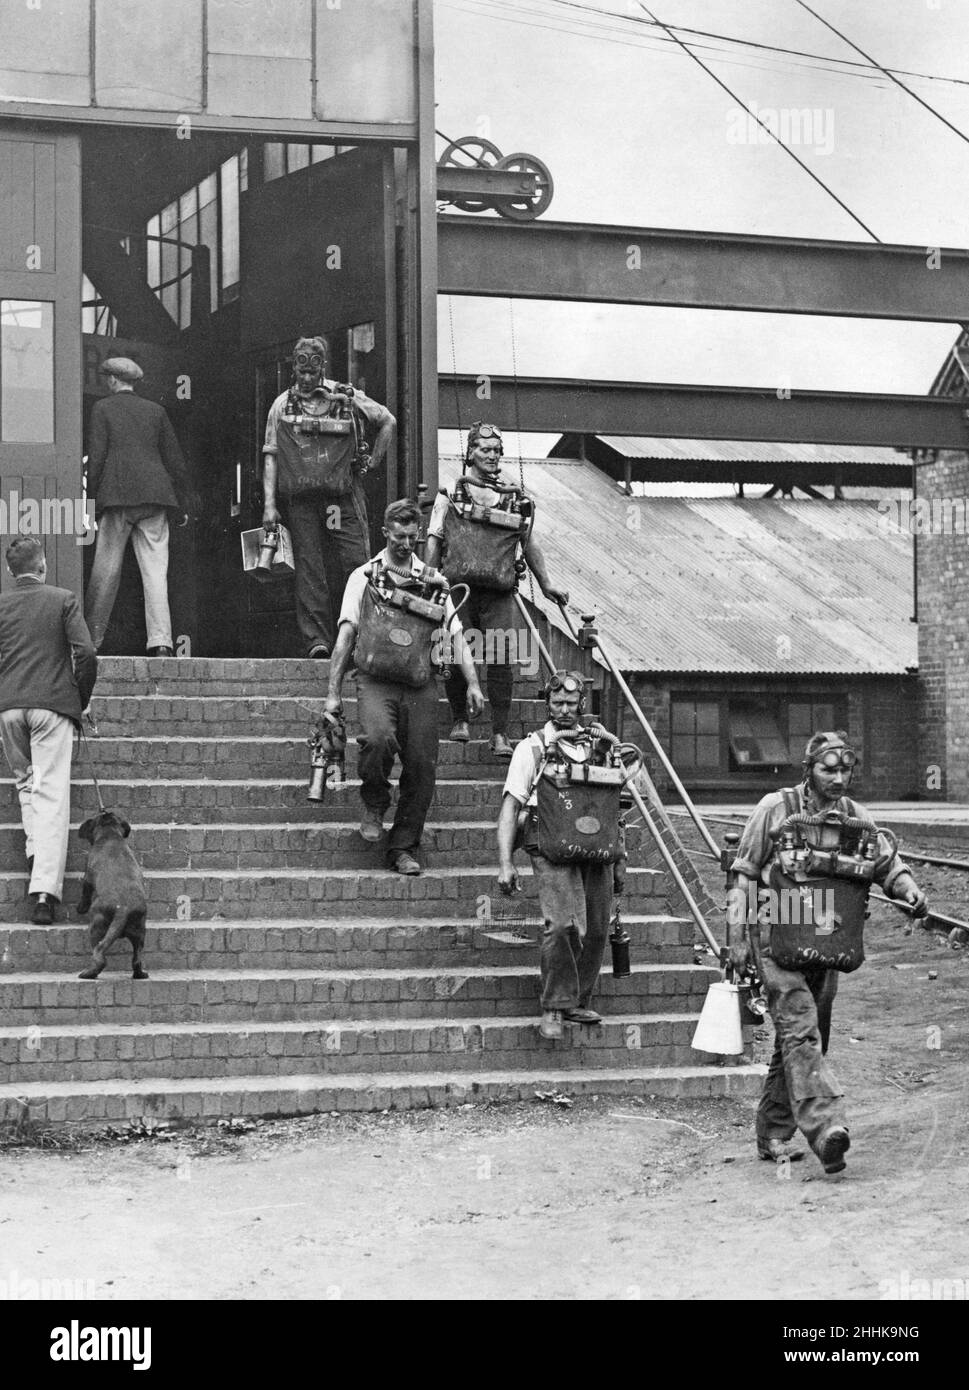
column 315, row 455
column 136, row 475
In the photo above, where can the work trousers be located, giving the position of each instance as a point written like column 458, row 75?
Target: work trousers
column 576, row 905
column 38, row 745
column 398, row 721
column 147, row 528
column 489, row 621
column 330, row 540
column 801, row 1090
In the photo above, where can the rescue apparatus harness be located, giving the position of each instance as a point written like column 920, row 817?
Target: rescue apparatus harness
column 481, row 543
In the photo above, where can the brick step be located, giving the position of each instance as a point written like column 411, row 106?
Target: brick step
column 279, row 715
column 328, row 893
column 111, row 1052
column 362, row 944
column 44, row 1000
column 205, row 849
column 287, row 676
column 184, row 801
column 237, row 758
column 167, row 1098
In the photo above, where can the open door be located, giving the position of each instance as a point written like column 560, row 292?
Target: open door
column 40, row 345
column 318, row 255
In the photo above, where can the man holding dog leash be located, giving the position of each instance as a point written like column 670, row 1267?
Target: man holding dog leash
column 48, row 667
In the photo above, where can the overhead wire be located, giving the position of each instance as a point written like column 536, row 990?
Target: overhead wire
column 890, row 75
column 764, row 126
column 752, row 43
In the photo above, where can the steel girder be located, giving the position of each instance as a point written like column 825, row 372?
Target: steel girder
column 550, row 405
column 701, row 270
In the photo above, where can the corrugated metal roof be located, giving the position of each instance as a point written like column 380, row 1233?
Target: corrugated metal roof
column 745, row 451
column 722, row 584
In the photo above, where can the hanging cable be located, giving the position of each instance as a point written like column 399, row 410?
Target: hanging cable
column 518, row 422
column 807, row 169
column 454, row 379
column 890, row 75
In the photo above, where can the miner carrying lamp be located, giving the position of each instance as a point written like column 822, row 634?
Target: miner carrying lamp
column 570, row 826
column 394, row 611
column 808, row 856
column 316, row 455
column 476, row 533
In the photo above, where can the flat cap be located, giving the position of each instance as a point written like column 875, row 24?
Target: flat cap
column 121, row 367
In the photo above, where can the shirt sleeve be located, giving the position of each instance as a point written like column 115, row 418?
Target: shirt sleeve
column 272, row 424
column 521, row 778
column 353, row 597
column 97, row 449
column 435, row 527
column 756, row 845
column 372, row 411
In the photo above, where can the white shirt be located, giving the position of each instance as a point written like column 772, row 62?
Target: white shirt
column 357, row 583
column 522, row 778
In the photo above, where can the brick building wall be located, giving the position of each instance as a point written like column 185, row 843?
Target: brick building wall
column 942, row 566
column 880, row 718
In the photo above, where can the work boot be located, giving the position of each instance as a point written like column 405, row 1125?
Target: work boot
column 777, row 1150
column 372, row 826
column 500, row 746
column 551, row 1024
column 160, row 651
column 43, row 905
column 460, row 733
column 405, row 863
column 588, row 1016
column 833, row 1146
column 319, row 651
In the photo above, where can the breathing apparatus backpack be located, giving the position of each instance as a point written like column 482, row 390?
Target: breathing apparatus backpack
column 397, row 630
column 481, row 543
column 819, row 898
column 577, row 816
column 321, row 453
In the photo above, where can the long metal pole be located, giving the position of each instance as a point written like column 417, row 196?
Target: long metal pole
column 543, row 650
column 671, row 864
column 657, row 747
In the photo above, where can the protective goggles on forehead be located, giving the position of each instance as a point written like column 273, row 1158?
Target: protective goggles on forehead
column 479, row 432
column 308, row 361
column 564, row 681
column 836, row 757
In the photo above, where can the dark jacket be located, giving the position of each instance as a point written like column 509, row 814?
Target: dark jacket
column 47, row 658
column 133, row 456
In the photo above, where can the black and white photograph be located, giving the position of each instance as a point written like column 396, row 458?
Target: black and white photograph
column 484, row 666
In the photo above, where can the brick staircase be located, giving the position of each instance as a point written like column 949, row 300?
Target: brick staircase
column 290, row 971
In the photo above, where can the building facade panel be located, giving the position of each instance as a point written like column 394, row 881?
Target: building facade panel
column 363, row 61
column 146, row 57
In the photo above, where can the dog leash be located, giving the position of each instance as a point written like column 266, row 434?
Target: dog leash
column 83, row 738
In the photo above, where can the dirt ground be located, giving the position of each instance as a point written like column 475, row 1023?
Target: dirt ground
column 608, row 1198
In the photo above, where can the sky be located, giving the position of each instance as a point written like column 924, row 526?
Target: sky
column 636, row 134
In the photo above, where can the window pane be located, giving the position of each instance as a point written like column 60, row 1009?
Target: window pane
column 823, row 717
column 208, row 188
column 209, row 236
column 707, row 751
column 244, row 169
column 273, row 160
column 683, row 717
column 169, row 219
column 230, row 222
column 26, row 371
column 154, row 254
column 708, row 719
column 683, row 751
column 297, row 157
column 321, row 152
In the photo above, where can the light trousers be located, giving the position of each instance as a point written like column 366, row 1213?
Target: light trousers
column 147, row 528
column 38, row 746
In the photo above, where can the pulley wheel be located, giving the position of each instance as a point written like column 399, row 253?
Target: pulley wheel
column 470, row 152
column 529, row 207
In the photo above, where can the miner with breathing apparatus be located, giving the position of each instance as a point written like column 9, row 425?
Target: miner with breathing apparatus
column 561, row 803
column 393, row 612
column 481, row 535
column 796, row 905
column 315, row 457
